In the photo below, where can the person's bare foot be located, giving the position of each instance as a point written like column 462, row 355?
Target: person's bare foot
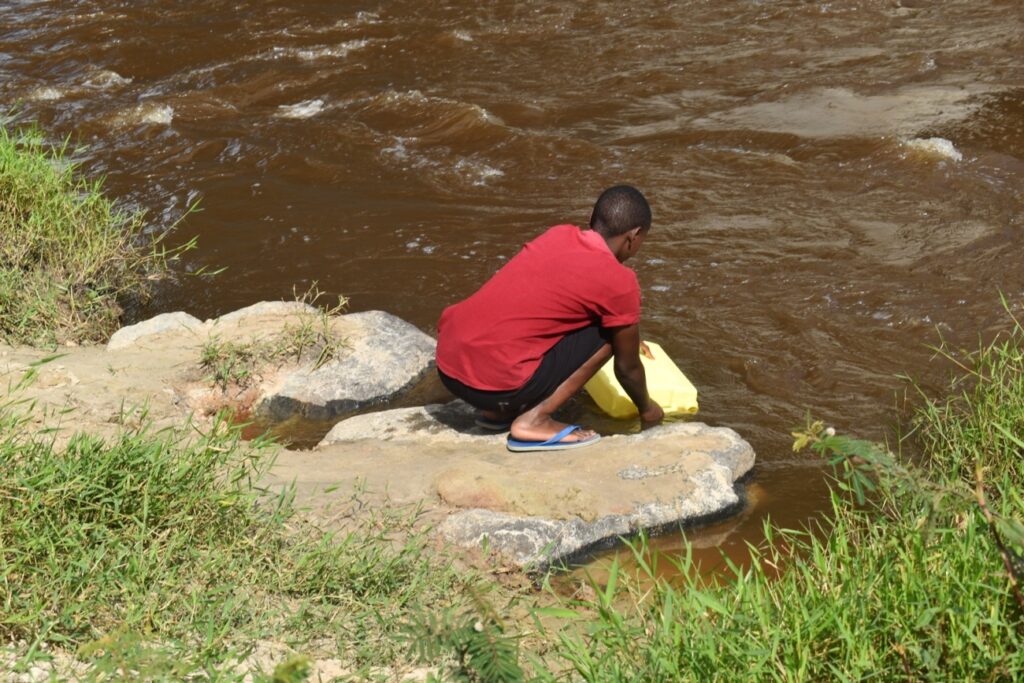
column 541, row 428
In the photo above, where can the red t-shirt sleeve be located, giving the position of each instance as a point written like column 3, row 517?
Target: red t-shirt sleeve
column 623, row 306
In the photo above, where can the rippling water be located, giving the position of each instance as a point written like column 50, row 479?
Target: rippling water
column 835, row 184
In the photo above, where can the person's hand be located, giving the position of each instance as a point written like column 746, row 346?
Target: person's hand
column 651, row 416
column 645, row 350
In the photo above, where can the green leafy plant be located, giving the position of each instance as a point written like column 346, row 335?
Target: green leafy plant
column 314, row 332
column 473, row 640
column 231, row 363
column 914, row 576
column 295, row 669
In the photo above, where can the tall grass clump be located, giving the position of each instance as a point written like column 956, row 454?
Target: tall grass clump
column 916, row 578
column 68, row 256
column 984, row 423
column 159, row 548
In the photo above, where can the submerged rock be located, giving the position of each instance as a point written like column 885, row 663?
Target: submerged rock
column 540, row 508
column 383, row 357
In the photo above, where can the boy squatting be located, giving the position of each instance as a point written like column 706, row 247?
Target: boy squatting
column 545, row 323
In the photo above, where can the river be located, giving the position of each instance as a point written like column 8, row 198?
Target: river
column 835, row 185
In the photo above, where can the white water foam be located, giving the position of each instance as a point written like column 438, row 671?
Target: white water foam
column 416, row 244
column 404, row 97
column 106, row 78
column 301, row 110
column 360, row 19
column 333, row 51
column 397, row 150
column 147, row 112
column 160, row 114
column 934, row 147
column 476, row 172
column 46, row 94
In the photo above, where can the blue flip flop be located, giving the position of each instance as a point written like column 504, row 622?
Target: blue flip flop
column 555, row 443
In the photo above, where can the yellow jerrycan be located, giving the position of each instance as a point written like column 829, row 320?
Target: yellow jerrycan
column 666, row 384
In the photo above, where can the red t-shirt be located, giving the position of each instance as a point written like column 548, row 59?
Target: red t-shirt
column 564, row 280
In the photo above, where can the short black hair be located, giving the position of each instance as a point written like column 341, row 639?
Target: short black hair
column 619, row 209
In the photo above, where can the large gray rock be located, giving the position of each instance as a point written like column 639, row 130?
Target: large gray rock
column 540, row 508
column 164, row 323
column 384, row 356
column 562, row 504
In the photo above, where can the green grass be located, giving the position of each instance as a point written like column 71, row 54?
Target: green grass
column 156, row 555
column 984, row 422
column 914, row 580
column 308, row 336
column 158, row 552
column 232, row 363
column 875, row 601
column 68, row 256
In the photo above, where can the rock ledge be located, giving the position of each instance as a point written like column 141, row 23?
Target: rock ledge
column 537, row 509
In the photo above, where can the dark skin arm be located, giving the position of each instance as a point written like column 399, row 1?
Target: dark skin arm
column 626, row 348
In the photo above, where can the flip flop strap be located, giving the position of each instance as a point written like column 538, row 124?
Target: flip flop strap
column 560, row 435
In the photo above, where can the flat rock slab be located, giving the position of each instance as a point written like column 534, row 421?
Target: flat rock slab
column 540, row 508
column 384, row 357
column 447, row 423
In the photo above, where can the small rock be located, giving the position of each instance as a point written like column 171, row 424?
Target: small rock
column 165, row 322
column 38, row 673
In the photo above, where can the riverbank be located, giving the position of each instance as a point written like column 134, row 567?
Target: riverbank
column 285, row 362
column 157, row 551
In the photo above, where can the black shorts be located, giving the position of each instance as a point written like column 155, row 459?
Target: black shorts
column 563, row 359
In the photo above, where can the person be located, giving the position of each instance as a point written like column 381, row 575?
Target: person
column 547, row 321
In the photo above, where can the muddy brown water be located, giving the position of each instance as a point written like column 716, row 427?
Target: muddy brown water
column 809, row 242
